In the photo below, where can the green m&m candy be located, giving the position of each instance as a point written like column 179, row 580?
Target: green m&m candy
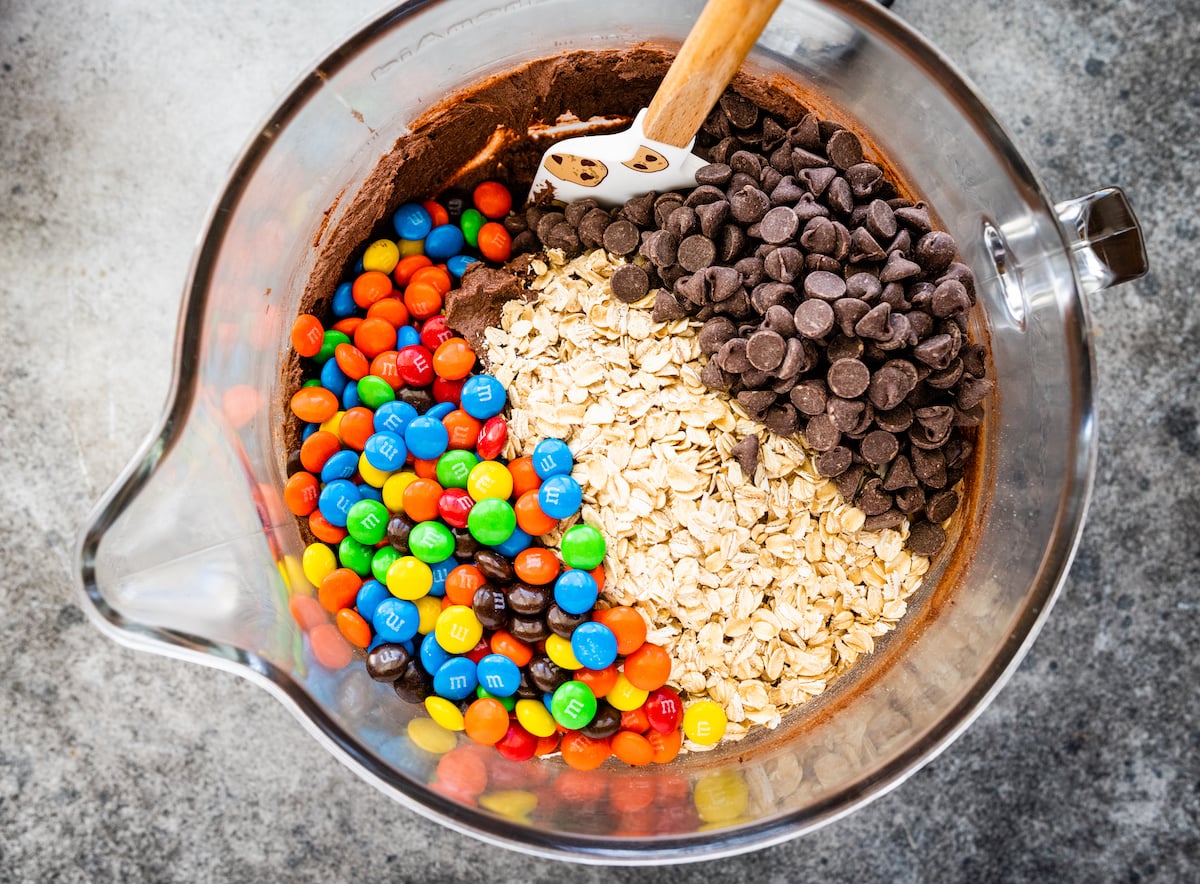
column 454, row 468
column 329, row 343
column 367, row 521
column 374, row 391
column 355, row 556
column 470, row 222
column 431, row 542
column 382, row 560
column 582, row 547
column 573, row 705
column 491, row 521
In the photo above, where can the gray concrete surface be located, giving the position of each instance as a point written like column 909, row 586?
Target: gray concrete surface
column 118, row 121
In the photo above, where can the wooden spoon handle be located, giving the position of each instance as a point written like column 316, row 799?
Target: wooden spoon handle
column 707, row 61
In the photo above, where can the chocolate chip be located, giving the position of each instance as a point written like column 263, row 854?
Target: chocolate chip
column 824, row 285
column 546, row 222
column 714, row 333
column 901, row 243
column 921, row 323
column 723, row 282
column 716, row 174
column 667, row 203
column 864, row 286
column 712, row 217
column 834, row 462
column 772, row 133
column 936, row 352
column 850, row 481
column 897, row 268
column 779, row 225
column 779, row 320
column 765, row 350
column 747, row 163
column 899, row 475
column 937, row 421
column 910, row 500
column 897, row 420
column 819, row 236
column 524, row 243
column 563, row 236
column 974, row 357
column 935, row 251
column 703, row 195
column 786, row 192
column 872, row 499
column 769, row 294
column 630, row 283
column 842, row 346
column 795, row 359
column 844, row 149
column 963, row 274
column 863, row 246
column 784, row 263
column 847, row 312
column 915, row 217
column 848, row 378
column 930, row 466
column 950, row 298
column 878, row 447
column 731, row 243
column 864, row 179
column 740, row 111
column 732, row 356
column 888, row 388
column 667, row 307
column 809, row 397
column 926, row 538
column 814, row 318
column 805, row 159
column 754, row 379
column 821, row 433
column 692, row 287
column 715, row 379
column 846, row 414
column 973, row 392
column 874, row 324
column 748, row 204
column 781, row 419
column 818, row 179
column 941, row 506
column 947, row 377
column 756, row 401
column 839, row 196
column 682, row 222
column 893, row 518
column 696, row 252
column 593, row 226
column 660, row 247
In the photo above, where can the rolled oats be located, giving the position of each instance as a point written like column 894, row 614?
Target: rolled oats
column 762, row 591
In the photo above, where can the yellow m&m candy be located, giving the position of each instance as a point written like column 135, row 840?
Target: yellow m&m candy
column 458, row 630
column 704, row 722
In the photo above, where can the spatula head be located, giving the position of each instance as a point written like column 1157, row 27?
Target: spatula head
column 614, row 168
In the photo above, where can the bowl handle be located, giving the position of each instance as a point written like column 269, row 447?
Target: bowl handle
column 1104, row 239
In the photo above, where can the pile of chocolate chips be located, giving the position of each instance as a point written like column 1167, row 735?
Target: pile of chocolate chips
column 831, row 307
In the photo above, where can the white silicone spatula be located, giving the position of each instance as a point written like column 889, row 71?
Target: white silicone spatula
column 655, row 153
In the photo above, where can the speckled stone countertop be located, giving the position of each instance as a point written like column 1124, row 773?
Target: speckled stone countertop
column 118, row 123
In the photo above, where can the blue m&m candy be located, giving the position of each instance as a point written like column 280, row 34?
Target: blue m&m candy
column 483, row 396
column 444, row 242
column 576, row 592
column 560, row 497
column 350, row 397
column 455, row 679
column 498, row 675
column 336, row 499
column 385, row 451
column 458, row 265
column 516, row 542
column 407, row 336
column 309, row 429
column 432, row 655
column 339, row 466
column 426, row 437
column 412, row 221
column 370, row 594
column 439, row 411
column 394, row 417
column 333, row 378
column 441, row 570
column 552, row 457
column 343, row 304
column 594, row 645
column 396, row 619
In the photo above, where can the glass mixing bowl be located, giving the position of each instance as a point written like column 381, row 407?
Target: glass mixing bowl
column 192, row 554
